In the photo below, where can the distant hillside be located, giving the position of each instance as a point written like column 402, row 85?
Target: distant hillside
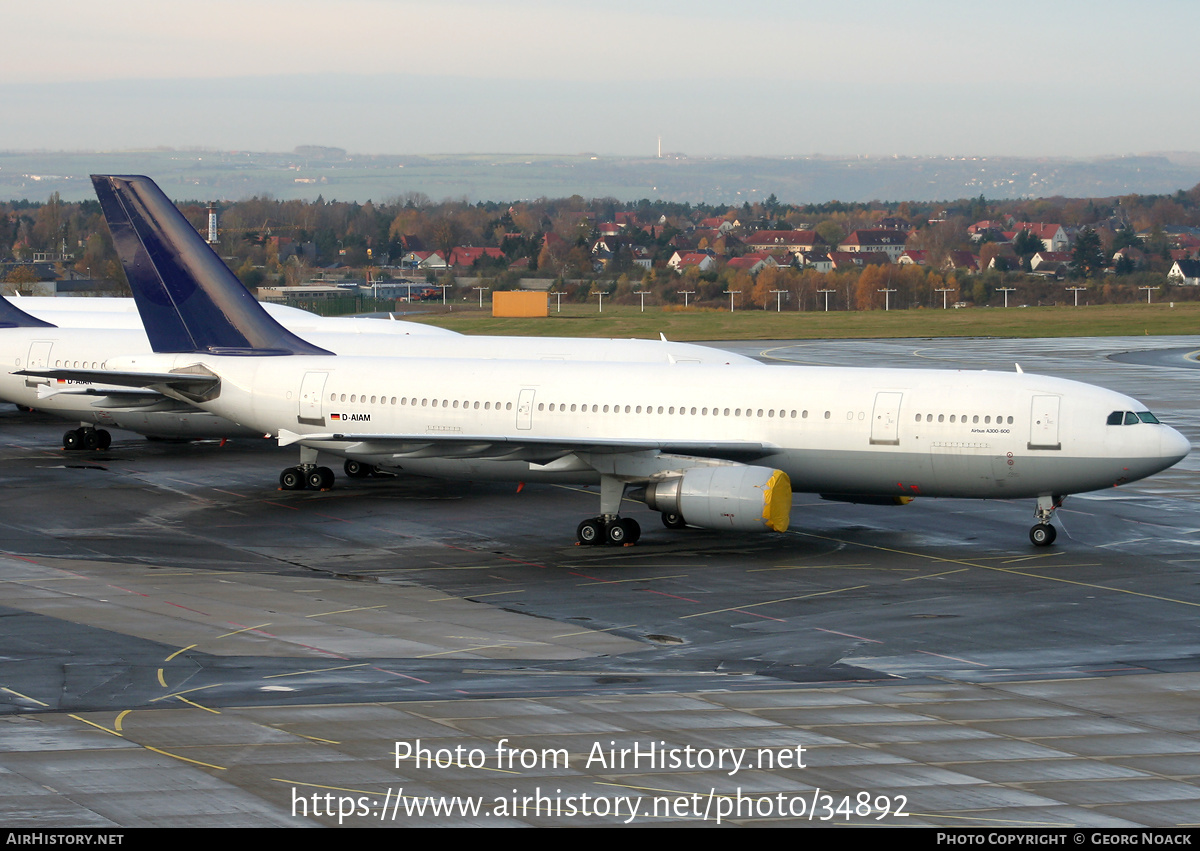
column 310, row 171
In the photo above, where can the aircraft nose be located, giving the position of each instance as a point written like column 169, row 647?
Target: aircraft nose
column 1173, row 446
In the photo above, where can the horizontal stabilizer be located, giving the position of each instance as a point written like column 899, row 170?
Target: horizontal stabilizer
column 185, row 383
column 12, row 316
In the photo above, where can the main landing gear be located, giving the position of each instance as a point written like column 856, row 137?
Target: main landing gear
column 609, row 528
column 87, row 438
column 358, row 470
column 306, row 476
column 1043, row 534
column 614, row 531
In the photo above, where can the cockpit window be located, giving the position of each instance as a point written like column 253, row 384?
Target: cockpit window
column 1131, row 417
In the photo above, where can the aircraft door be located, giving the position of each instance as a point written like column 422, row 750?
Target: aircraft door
column 39, row 354
column 39, row 358
column 885, row 419
column 1043, row 423
column 525, row 409
column 312, row 393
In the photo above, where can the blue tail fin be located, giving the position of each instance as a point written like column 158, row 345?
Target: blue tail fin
column 188, row 298
column 12, row 316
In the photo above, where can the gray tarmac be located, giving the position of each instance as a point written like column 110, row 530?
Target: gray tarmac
column 185, row 645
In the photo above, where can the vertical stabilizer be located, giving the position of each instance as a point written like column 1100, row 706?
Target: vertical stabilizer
column 188, row 299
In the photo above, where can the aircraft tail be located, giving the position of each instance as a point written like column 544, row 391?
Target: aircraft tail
column 188, row 299
column 12, row 316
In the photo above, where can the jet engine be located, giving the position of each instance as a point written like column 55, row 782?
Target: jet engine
column 752, row 499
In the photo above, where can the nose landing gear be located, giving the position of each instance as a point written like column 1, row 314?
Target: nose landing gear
column 1043, row 534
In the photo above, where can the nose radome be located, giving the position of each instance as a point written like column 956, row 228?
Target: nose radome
column 1174, row 446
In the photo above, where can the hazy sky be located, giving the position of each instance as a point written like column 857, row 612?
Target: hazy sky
column 1060, row 78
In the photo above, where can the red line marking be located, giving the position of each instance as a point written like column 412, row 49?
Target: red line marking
column 406, row 676
column 848, row 635
column 676, row 596
column 186, row 609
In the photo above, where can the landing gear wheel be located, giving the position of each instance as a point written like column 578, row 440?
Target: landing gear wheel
column 105, row 438
column 73, row 440
column 91, row 440
column 1043, row 535
column 357, row 469
column 673, row 521
column 590, row 532
column 320, row 479
column 624, row 532
column 292, row 479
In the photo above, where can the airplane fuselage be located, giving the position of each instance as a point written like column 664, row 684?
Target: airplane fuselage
column 87, row 402
column 887, row 432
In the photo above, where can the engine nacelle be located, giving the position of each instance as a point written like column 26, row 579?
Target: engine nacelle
column 752, row 499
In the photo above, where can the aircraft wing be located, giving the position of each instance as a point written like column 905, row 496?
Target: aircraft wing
column 538, row 450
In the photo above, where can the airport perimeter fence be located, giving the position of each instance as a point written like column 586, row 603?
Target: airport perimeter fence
column 347, row 306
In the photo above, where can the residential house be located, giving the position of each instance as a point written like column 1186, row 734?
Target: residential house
column 1185, row 272
column 881, row 240
column 1053, row 237
column 961, row 261
column 680, row 261
column 798, row 243
column 1042, row 257
column 469, row 255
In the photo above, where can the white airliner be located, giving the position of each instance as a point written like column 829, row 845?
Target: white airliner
column 90, row 330
column 706, row 445
column 122, row 313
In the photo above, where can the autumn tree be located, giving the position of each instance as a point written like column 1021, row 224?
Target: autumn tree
column 1088, row 253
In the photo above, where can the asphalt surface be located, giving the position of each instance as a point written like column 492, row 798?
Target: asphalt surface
column 185, row 645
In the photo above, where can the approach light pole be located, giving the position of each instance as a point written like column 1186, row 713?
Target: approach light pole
column 1148, row 291
column 685, row 294
column 779, row 300
column 643, row 294
column 943, row 291
column 731, row 294
column 481, row 291
column 1006, row 291
column 827, row 292
column 600, row 293
column 887, row 298
column 1077, row 291
column 558, row 298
